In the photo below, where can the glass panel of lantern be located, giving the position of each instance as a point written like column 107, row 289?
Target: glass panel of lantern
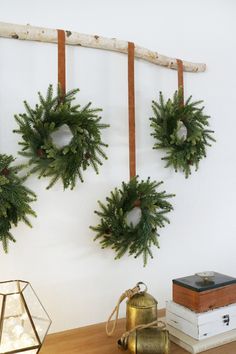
column 18, row 329
column 39, row 315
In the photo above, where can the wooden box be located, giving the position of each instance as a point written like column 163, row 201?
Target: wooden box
column 201, row 296
column 201, row 325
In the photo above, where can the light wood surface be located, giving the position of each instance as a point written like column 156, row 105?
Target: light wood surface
column 93, row 340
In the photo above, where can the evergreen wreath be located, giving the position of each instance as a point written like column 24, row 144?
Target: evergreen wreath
column 114, row 230
column 169, row 119
column 14, row 200
column 66, row 163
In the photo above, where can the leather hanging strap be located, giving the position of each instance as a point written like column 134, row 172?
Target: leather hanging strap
column 61, row 61
column 181, row 79
column 131, row 102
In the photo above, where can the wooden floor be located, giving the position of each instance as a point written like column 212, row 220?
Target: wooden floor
column 93, row 340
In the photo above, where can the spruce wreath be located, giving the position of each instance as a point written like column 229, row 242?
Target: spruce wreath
column 114, row 230
column 15, row 199
column 85, row 148
column 180, row 129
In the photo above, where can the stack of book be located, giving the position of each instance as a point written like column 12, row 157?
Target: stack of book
column 202, row 314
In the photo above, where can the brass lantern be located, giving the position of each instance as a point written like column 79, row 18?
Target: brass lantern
column 146, row 341
column 24, row 322
column 141, row 309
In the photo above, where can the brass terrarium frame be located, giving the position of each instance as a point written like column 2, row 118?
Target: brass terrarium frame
column 19, row 288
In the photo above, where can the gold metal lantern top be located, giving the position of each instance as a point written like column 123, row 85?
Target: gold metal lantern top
column 141, row 309
column 24, row 322
column 142, row 300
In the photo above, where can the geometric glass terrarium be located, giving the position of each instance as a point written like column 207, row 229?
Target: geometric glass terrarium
column 24, row 323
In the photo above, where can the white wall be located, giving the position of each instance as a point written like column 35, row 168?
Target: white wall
column 77, row 281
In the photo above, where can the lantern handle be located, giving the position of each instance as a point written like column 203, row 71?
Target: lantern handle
column 127, row 294
column 145, row 287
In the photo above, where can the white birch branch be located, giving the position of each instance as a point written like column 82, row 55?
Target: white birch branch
column 31, row 33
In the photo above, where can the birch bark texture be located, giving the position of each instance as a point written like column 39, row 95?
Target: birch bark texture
column 48, row 35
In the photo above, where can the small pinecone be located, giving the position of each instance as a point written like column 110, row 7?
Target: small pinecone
column 40, row 153
column 190, row 162
column 5, row 172
column 87, row 155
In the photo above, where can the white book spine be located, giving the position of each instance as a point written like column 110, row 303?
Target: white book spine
column 197, row 346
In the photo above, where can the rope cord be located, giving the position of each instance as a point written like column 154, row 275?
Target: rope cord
column 127, row 294
column 158, row 324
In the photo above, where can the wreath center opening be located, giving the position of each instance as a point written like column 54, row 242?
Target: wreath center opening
column 62, row 136
column 181, row 131
column 133, row 216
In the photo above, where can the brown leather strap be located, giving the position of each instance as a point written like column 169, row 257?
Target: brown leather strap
column 181, row 79
column 61, row 61
column 131, row 101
